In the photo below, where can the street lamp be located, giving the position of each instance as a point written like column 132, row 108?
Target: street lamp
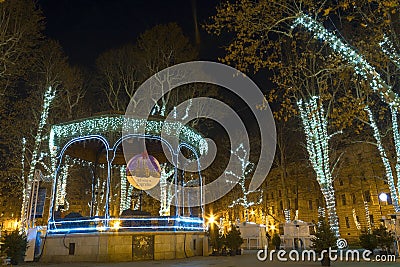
column 383, row 197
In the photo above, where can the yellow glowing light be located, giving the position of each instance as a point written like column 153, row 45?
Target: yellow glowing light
column 116, row 224
column 252, row 212
column 211, row 219
column 272, row 227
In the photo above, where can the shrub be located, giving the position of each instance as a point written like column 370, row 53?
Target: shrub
column 368, row 241
column 15, row 244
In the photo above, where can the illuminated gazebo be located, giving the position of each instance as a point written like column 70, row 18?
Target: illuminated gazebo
column 98, row 141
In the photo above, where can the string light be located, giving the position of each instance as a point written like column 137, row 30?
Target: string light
column 317, row 143
column 286, row 213
column 356, row 222
column 321, row 212
column 389, row 50
column 62, row 133
column 23, row 176
column 125, row 195
column 166, row 194
column 47, row 100
column 246, row 168
column 368, row 219
column 361, row 66
column 384, row 158
column 62, row 189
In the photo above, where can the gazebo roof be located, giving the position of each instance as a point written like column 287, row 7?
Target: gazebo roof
column 111, row 127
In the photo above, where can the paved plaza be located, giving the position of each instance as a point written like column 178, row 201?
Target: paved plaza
column 228, row 261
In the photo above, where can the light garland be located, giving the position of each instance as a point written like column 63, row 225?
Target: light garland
column 384, row 158
column 246, row 168
column 317, row 143
column 125, row 196
column 286, row 213
column 47, row 100
column 389, row 50
column 166, row 195
column 23, row 176
column 62, row 189
column 321, row 212
column 396, row 138
column 356, row 222
column 103, row 125
column 361, row 65
column 368, row 219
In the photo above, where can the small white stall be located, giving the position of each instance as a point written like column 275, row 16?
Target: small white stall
column 254, row 235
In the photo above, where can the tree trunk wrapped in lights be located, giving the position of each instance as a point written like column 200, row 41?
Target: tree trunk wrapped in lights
column 317, row 142
column 61, row 201
column 47, row 101
column 166, row 190
column 363, row 68
column 385, row 160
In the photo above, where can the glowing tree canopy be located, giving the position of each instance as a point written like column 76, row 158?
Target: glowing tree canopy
column 361, row 65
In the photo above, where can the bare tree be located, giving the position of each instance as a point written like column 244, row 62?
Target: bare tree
column 118, row 75
column 20, row 31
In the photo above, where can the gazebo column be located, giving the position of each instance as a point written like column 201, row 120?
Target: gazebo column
column 110, row 158
column 54, row 191
column 93, row 172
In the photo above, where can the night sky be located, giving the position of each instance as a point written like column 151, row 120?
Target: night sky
column 85, row 28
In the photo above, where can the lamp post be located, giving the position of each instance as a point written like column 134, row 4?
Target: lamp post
column 396, row 243
column 383, row 197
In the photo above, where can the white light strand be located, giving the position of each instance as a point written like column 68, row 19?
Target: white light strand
column 317, row 143
column 106, row 124
column 367, row 218
column 356, row 222
column 286, row 213
column 125, row 202
column 62, row 188
column 321, row 212
column 361, row 65
column 166, row 194
column 246, row 168
column 389, row 50
column 384, row 158
column 396, row 138
column 23, row 176
column 47, row 100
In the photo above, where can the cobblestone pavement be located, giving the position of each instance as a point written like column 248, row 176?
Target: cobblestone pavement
column 240, row 261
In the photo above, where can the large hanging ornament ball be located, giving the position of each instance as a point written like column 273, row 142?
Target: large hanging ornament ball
column 143, row 171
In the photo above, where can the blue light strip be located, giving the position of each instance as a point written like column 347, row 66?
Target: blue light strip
column 184, row 224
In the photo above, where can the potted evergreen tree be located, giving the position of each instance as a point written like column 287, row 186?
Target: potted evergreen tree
column 14, row 246
column 324, row 239
column 216, row 240
column 368, row 240
column 233, row 240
